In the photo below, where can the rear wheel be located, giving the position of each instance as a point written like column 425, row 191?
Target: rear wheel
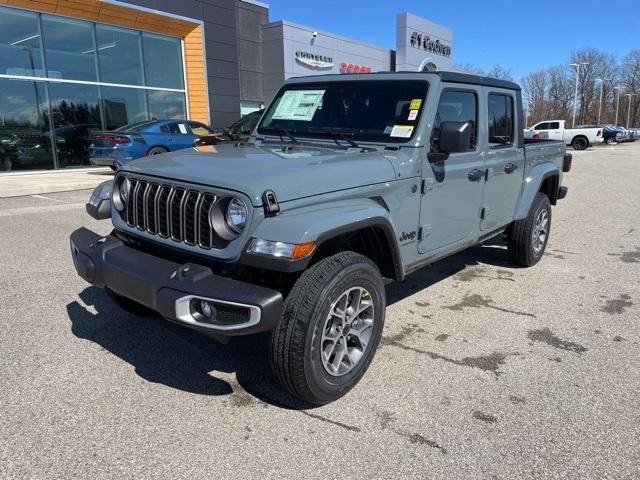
column 156, row 151
column 580, row 143
column 330, row 328
column 527, row 238
column 610, row 141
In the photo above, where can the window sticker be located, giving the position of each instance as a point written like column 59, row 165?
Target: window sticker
column 415, row 104
column 402, row 131
column 413, row 114
column 387, row 129
column 298, row 105
column 183, row 128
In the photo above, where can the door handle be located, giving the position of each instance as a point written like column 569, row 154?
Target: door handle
column 510, row 168
column 475, row 175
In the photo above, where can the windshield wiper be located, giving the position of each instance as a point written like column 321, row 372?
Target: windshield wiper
column 336, row 133
column 280, row 132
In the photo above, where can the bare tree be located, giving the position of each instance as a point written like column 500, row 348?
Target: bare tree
column 630, row 79
column 469, row 68
column 498, row 71
column 560, row 94
column 535, row 87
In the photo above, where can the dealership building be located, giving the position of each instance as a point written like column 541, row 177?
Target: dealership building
column 69, row 68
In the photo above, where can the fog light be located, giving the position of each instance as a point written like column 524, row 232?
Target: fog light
column 205, row 309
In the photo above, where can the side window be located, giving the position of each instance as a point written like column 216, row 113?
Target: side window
column 501, row 120
column 542, row 126
column 175, row 129
column 456, row 106
column 554, row 125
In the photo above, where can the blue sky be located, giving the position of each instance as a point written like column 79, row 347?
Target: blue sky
column 522, row 36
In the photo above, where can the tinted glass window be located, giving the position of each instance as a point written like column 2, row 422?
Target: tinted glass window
column 456, row 106
column 119, row 55
column 501, row 120
column 69, row 48
column 160, row 51
column 123, row 105
column 246, row 124
column 542, row 126
column 554, row 125
column 25, row 139
column 166, row 105
column 135, row 127
column 175, row 128
column 377, row 110
column 76, row 115
column 20, row 43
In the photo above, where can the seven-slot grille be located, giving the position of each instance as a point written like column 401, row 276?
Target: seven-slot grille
column 172, row 212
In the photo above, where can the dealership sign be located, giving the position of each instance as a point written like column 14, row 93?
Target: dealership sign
column 313, row 60
column 352, row 68
column 423, row 41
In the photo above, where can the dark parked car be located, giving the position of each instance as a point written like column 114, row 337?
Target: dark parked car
column 612, row 135
column 238, row 131
column 136, row 140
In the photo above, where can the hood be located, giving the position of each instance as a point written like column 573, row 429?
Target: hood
column 301, row 171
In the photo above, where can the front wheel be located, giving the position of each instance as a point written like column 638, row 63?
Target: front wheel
column 611, row 141
column 330, row 328
column 527, row 238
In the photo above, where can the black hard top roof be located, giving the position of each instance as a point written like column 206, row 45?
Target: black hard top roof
column 453, row 77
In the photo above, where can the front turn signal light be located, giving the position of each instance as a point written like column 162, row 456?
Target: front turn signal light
column 292, row 251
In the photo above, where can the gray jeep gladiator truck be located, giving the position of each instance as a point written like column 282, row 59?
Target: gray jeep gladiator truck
column 347, row 179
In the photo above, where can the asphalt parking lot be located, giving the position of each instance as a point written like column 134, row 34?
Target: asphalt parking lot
column 485, row 371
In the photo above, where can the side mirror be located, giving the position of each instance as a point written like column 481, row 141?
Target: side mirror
column 455, row 137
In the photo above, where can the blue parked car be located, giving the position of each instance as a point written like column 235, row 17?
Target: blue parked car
column 120, row 146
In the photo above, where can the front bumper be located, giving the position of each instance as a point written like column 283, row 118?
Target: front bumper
column 170, row 288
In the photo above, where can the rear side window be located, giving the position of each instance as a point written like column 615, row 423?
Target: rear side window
column 456, row 106
column 175, row 129
column 501, row 120
column 554, row 125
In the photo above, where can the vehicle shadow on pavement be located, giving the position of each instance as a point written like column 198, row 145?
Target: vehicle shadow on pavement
column 493, row 252
column 175, row 356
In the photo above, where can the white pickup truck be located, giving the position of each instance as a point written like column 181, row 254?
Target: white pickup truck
column 578, row 138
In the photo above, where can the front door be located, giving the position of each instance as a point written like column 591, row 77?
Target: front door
column 504, row 162
column 452, row 200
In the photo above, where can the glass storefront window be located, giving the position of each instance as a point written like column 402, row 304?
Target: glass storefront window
column 20, row 52
column 25, row 139
column 76, row 115
column 47, row 122
column 119, row 55
column 164, row 105
column 69, row 49
column 123, row 106
column 160, row 51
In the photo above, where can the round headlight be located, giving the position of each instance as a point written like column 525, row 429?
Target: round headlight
column 237, row 215
column 121, row 193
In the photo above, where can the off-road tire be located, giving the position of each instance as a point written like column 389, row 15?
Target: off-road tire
column 129, row 306
column 520, row 242
column 295, row 342
column 580, row 143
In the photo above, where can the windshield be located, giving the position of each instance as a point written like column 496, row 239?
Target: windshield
column 385, row 111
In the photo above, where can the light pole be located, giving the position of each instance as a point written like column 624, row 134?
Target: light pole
column 601, row 80
column 629, row 107
column 617, row 104
column 575, row 96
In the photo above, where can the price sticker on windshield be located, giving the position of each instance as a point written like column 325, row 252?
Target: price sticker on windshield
column 402, row 131
column 299, row 105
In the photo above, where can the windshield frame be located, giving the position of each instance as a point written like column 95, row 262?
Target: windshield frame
column 318, row 83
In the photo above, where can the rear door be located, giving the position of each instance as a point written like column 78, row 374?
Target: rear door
column 504, row 160
column 452, row 200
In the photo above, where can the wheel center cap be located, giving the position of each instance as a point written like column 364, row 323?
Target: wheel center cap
column 346, row 329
